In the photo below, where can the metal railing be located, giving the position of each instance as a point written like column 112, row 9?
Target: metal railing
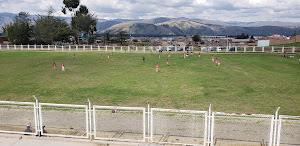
column 215, row 49
column 154, row 125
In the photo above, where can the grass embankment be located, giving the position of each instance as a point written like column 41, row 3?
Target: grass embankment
column 244, row 83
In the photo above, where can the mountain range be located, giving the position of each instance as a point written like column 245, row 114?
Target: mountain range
column 164, row 26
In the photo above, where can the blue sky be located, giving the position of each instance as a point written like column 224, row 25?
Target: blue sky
column 224, row 10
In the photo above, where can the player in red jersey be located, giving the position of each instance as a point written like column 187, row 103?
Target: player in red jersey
column 199, row 54
column 212, row 58
column 54, row 66
column 63, row 67
column 157, row 67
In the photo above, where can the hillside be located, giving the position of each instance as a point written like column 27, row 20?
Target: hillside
column 163, row 26
column 189, row 27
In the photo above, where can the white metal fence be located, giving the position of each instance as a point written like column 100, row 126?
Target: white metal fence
column 64, row 120
column 241, row 129
column 288, row 130
column 237, row 49
column 16, row 116
column 119, row 123
column 165, row 126
column 170, row 126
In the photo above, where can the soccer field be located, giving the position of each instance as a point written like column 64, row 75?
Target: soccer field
column 244, row 83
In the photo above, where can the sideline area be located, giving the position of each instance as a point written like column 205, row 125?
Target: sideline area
column 24, row 140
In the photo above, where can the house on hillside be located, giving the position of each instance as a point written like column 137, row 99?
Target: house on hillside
column 239, row 42
column 3, row 40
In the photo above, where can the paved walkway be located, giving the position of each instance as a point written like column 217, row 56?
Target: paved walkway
column 23, row 140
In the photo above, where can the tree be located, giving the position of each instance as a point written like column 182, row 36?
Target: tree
column 106, row 37
column 196, row 38
column 122, row 36
column 242, row 36
column 84, row 22
column 49, row 29
column 20, row 30
column 70, row 5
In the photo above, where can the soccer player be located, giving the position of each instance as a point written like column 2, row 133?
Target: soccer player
column 74, row 56
column 167, row 62
column 199, row 54
column 184, row 55
column 151, row 52
column 107, row 55
column 54, row 66
column 212, row 58
column 169, row 55
column 216, row 61
column 159, row 56
column 219, row 62
column 143, row 59
column 157, row 67
column 63, row 67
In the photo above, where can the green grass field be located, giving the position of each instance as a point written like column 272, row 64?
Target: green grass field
column 244, row 83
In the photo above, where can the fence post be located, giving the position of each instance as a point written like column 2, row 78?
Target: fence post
column 121, row 48
column 34, row 46
column 144, row 49
column 245, row 49
column 208, row 125
column 148, row 110
column 55, row 47
column 276, row 118
column 90, row 119
column 235, row 48
column 279, row 131
column 21, row 47
column 7, row 47
column 76, row 47
column 98, row 48
column 272, row 49
column 227, row 48
column 253, row 48
column 114, row 49
column 263, row 49
column 212, row 129
column 175, row 48
column 128, row 48
column 69, row 47
column 293, row 50
column 28, row 47
column 136, row 49
column 36, row 116
column 0, row 46
column 106, row 47
column 84, row 47
column 15, row 47
column 48, row 47
column 42, row 46
column 184, row 48
column 62, row 47
column 91, row 47
column 282, row 50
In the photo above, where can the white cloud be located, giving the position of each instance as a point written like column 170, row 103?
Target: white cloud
column 229, row 10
